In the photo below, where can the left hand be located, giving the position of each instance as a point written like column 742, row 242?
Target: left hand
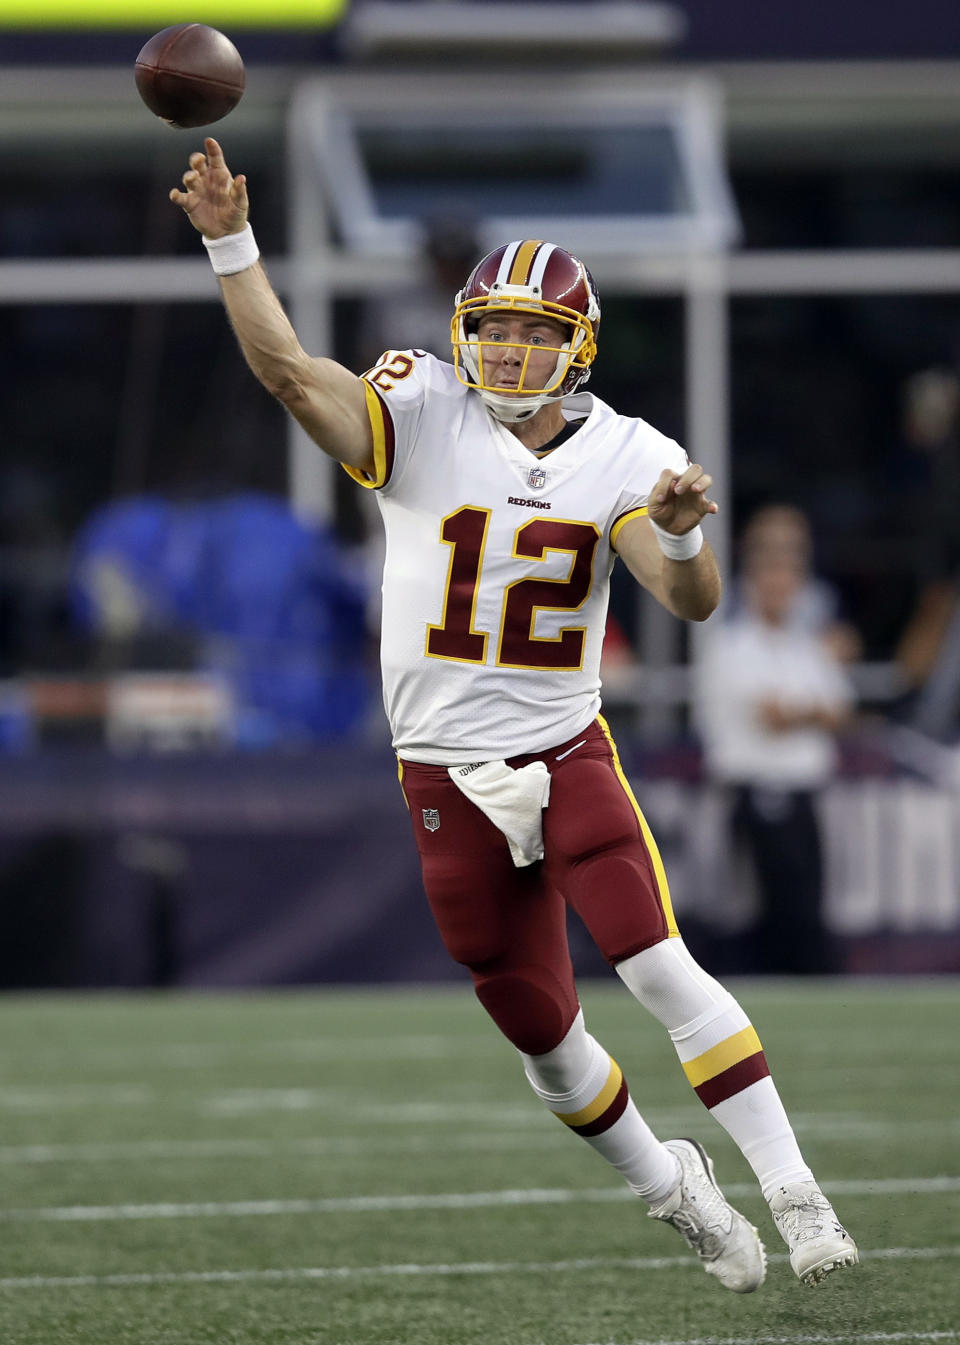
column 678, row 503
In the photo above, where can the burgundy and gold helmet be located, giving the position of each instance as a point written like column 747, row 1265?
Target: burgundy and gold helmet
column 527, row 276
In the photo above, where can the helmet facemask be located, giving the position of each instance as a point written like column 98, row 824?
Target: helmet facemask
column 574, row 355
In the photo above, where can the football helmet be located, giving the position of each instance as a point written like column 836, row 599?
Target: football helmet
column 527, row 276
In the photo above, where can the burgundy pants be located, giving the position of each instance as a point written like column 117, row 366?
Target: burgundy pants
column 508, row 925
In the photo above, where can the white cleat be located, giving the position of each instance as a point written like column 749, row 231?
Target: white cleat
column 817, row 1239
column 727, row 1244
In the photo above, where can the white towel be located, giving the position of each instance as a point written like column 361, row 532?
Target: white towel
column 512, row 799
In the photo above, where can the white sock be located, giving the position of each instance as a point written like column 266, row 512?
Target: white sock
column 722, row 1057
column 585, row 1088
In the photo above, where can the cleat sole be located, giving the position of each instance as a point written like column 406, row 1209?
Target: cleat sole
column 817, row 1274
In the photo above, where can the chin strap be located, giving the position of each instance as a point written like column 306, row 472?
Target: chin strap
column 511, row 410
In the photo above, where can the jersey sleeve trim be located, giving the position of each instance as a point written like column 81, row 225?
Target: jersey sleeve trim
column 383, row 443
column 641, row 512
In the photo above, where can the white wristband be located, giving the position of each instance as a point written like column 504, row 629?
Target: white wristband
column 673, row 547
column 232, row 252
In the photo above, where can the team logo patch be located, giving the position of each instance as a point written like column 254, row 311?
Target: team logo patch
column 536, row 478
column 431, row 818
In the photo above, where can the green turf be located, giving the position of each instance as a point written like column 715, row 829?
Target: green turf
column 115, row 1101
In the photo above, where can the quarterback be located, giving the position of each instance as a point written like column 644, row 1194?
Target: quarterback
column 507, row 494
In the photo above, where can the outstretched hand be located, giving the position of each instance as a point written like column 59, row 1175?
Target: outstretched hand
column 678, row 503
column 215, row 202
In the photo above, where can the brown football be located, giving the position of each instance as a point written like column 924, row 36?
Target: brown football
column 190, row 75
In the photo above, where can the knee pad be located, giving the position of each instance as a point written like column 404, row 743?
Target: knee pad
column 529, row 1005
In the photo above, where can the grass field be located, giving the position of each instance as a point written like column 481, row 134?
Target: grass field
column 350, row 1168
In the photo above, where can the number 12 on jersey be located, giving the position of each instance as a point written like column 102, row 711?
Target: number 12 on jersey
column 465, row 532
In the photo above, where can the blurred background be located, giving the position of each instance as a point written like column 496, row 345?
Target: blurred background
column 196, row 782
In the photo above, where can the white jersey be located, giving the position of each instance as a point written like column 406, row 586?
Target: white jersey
column 497, row 567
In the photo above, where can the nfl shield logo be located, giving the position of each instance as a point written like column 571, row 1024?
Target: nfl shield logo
column 537, row 478
column 431, row 818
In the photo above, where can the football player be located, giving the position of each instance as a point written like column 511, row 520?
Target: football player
column 507, row 494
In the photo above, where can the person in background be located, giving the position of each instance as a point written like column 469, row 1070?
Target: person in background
column 928, row 651
column 771, row 696
column 782, row 533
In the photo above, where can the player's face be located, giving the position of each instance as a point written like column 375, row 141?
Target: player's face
column 519, row 351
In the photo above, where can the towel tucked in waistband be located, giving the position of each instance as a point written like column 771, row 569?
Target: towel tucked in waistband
column 512, row 799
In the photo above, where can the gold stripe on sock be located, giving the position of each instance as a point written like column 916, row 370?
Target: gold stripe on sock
column 728, row 1052
column 599, row 1104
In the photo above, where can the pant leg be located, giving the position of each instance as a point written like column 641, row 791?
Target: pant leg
column 599, row 851
column 508, row 926
column 504, row 924
column 783, row 835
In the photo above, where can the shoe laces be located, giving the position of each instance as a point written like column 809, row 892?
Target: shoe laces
column 804, row 1216
column 703, row 1220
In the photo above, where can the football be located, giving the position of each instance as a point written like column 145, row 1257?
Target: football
column 190, row 75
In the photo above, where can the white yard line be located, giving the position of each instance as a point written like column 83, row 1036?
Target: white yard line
column 519, row 1113
column 453, row 1200
column 364, row 1107
column 535, row 1132
column 469, row 1268
column 320, row 1146
column 203, row 1055
column 42, row 1098
column 845, row 1338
